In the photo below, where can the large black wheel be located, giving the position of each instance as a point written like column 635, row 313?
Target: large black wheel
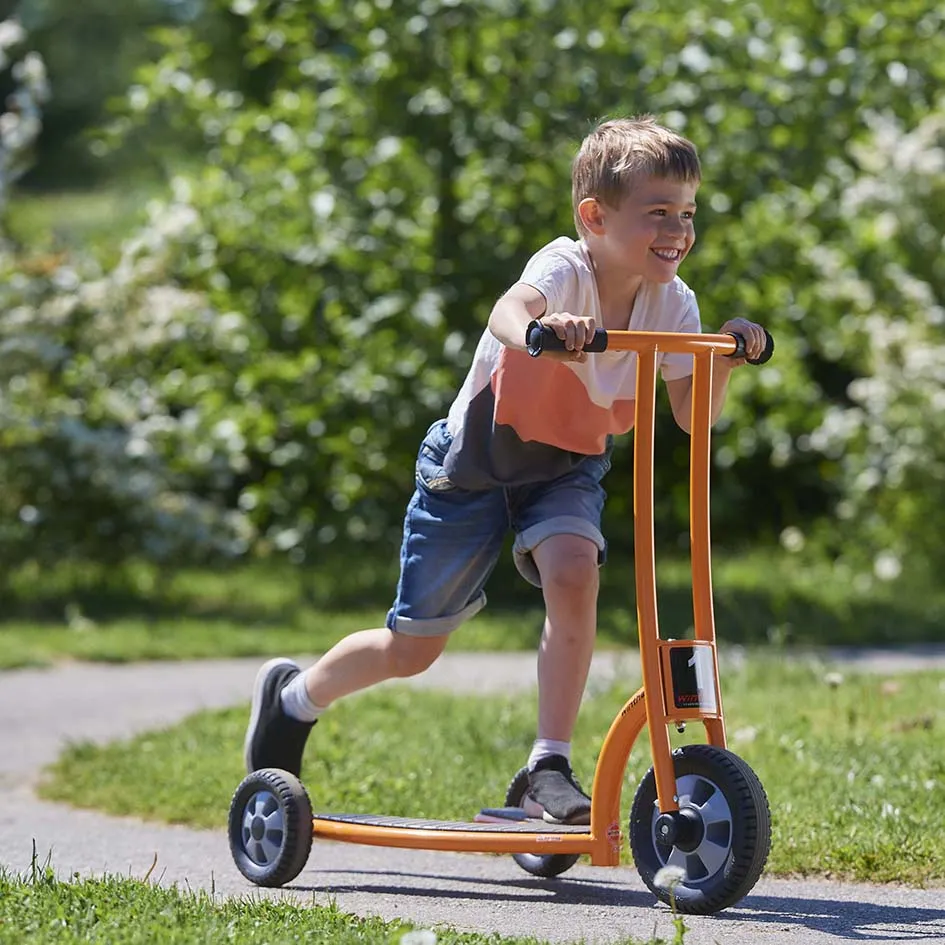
column 720, row 838
column 270, row 827
column 554, row 864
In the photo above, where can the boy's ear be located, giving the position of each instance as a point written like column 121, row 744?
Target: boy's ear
column 591, row 212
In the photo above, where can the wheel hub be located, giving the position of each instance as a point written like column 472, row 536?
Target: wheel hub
column 697, row 837
column 681, row 828
column 263, row 826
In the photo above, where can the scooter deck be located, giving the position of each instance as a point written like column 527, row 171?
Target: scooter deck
column 409, row 823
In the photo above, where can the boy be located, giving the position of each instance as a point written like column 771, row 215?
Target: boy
column 525, row 446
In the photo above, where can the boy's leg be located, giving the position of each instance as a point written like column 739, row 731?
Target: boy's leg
column 569, row 580
column 368, row 657
column 287, row 702
column 559, row 546
column 568, row 568
column 452, row 540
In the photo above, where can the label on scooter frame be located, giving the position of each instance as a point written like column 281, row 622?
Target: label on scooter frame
column 693, row 674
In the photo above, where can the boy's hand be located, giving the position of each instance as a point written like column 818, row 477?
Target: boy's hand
column 574, row 330
column 753, row 334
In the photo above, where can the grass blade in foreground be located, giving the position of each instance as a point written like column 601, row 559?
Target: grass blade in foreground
column 41, row 910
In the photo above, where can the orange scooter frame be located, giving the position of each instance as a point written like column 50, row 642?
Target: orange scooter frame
column 680, row 685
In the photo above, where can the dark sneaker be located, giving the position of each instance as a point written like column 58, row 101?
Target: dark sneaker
column 274, row 739
column 554, row 794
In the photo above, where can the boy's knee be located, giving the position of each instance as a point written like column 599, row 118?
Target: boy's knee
column 574, row 574
column 410, row 655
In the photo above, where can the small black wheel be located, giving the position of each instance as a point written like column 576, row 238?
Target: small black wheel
column 721, row 838
column 554, row 864
column 270, row 827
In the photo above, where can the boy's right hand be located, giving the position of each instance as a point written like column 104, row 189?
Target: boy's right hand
column 574, row 330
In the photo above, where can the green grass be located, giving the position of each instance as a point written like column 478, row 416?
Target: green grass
column 119, row 641
column 82, row 220
column 38, row 908
column 256, row 610
column 75, row 219
column 855, row 772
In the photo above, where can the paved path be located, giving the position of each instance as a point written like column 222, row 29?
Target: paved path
column 40, row 710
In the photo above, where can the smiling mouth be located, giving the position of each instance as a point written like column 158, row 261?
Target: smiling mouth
column 669, row 255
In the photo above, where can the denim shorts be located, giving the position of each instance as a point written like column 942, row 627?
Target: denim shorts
column 453, row 537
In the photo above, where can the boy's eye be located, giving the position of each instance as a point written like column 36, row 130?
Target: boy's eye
column 661, row 212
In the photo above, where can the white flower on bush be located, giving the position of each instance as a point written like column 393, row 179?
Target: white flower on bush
column 176, row 220
column 31, row 71
column 11, row 34
column 94, row 294
column 887, row 566
column 792, row 539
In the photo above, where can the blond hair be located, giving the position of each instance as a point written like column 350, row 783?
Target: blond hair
column 618, row 151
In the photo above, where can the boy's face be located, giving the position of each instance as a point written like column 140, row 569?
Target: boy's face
column 650, row 233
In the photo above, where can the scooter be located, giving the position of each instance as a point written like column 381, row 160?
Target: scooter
column 699, row 808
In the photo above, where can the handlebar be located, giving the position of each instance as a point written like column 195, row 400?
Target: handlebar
column 539, row 338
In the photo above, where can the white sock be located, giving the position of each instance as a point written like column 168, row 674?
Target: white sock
column 544, row 747
column 296, row 703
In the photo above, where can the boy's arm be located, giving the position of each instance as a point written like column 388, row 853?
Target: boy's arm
column 680, row 390
column 522, row 304
column 680, row 393
column 512, row 313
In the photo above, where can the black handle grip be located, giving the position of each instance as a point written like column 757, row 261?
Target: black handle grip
column 739, row 351
column 540, row 338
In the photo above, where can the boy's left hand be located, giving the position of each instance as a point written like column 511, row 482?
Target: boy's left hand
column 753, row 334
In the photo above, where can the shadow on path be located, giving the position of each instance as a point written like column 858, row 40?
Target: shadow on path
column 850, row 920
column 565, row 892
column 847, row 920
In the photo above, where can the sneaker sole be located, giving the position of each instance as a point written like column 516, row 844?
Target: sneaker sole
column 258, row 686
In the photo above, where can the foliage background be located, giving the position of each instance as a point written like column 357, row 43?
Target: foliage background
column 248, row 370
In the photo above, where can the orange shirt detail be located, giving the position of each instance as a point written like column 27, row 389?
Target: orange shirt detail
column 544, row 401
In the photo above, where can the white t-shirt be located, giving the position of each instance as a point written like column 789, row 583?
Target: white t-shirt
column 519, row 419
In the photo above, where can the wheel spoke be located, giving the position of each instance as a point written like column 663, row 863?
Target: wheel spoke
column 696, row 868
column 715, row 810
column 678, row 858
column 719, row 833
column 258, row 853
column 713, row 857
column 257, row 804
column 269, row 847
column 702, row 791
